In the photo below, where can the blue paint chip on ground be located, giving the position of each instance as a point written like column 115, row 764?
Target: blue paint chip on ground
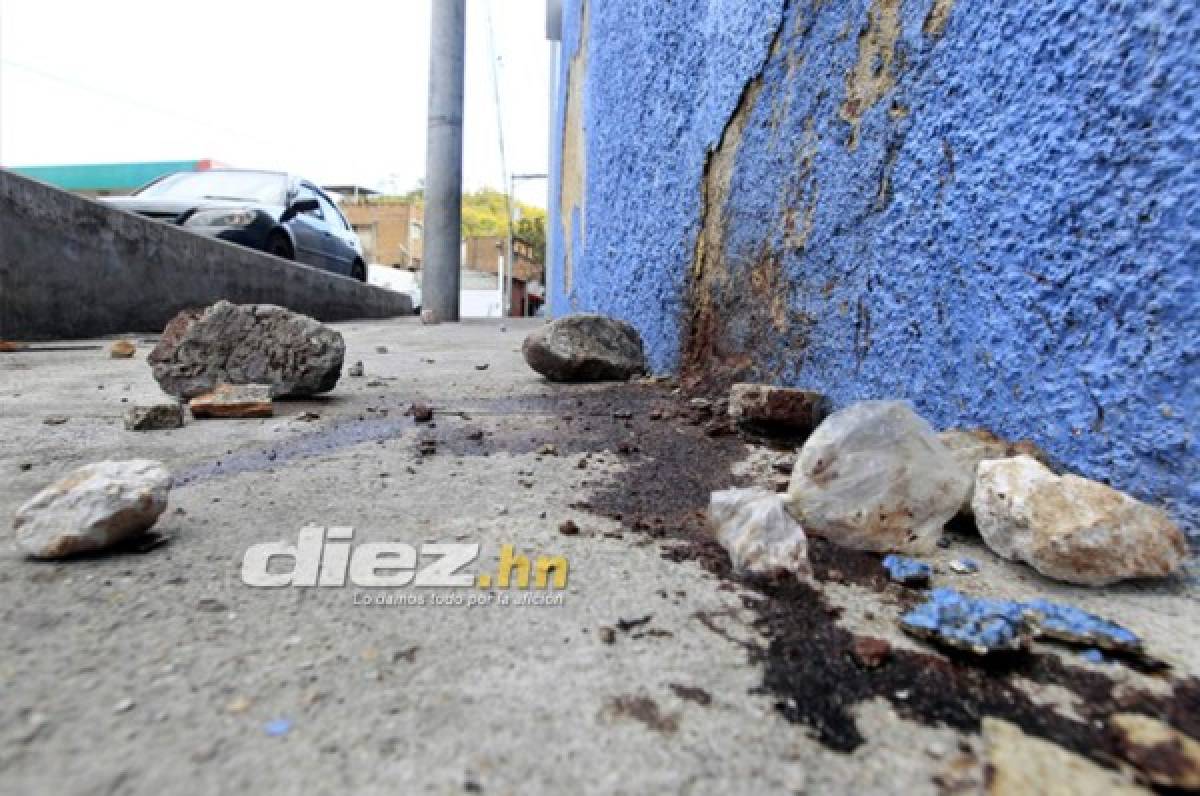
column 908, row 571
column 984, row 625
column 278, row 727
column 970, row 623
column 1071, row 624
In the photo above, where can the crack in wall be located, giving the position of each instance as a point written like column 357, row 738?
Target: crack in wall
column 709, row 276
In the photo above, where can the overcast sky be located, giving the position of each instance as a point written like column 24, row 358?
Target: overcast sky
column 335, row 91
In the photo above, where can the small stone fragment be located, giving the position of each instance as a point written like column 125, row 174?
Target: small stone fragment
column 55, row 420
column 427, row 446
column 549, row 449
column 237, row 705
column 122, row 349
column 1020, row 764
column 1070, row 528
column 976, row 624
column 421, row 413
column 1070, row 624
column 874, row 476
column 964, row 566
column 158, row 417
column 234, row 400
column 92, row 508
column 607, row 634
column 870, row 653
column 247, row 344
column 1166, row 756
column 355, row 371
column 579, row 348
column 772, row 411
column 481, row 366
column 124, row 706
column 758, row 533
column 907, row 571
column 381, row 349
column 568, row 528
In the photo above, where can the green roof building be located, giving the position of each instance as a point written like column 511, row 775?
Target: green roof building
column 110, row 179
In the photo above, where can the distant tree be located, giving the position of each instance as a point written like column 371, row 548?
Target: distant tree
column 485, row 213
column 531, row 227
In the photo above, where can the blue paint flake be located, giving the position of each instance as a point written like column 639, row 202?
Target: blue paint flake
column 278, row 727
column 1070, row 624
column 1093, row 656
column 908, row 571
column 971, row 623
column 984, row 625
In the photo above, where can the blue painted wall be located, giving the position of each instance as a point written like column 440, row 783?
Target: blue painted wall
column 1010, row 239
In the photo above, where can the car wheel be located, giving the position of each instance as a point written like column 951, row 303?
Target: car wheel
column 359, row 271
column 279, row 245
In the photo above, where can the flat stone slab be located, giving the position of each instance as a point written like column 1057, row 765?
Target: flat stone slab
column 234, row 400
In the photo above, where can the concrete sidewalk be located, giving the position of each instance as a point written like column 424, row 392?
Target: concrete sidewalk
column 159, row 671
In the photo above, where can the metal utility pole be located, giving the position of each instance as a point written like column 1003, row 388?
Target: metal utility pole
column 443, row 161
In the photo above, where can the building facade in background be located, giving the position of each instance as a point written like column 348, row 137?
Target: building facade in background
column 986, row 208
column 391, row 229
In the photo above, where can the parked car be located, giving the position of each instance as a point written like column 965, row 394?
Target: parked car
column 280, row 214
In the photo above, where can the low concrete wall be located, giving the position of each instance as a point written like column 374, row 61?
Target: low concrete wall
column 70, row 267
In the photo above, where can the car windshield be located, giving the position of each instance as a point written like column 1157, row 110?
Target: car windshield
column 253, row 186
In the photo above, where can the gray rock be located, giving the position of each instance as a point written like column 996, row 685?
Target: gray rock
column 158, row 417
column 247, row 344
column 585, row 348
column 874, row 476
column 93, row 508
column 759, row 535
column 1070, row 528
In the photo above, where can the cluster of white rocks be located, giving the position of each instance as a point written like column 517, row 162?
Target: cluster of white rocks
column 875, row 476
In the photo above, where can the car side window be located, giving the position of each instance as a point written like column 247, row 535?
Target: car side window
column 305, row 192
column 331, row 214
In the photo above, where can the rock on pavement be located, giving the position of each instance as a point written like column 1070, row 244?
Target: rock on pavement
column 92, row 508
column 1070, row 528
column 158, row 417
column 234, row 400
column 777, row 410
column 247, row 344
column 585, row 348
column 758, row 533
column 874, row 476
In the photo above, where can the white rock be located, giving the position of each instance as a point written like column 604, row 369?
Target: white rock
column 759, row 534
column 92, row 508
column 1070, row 528
column 970, row 447
column 874, row 476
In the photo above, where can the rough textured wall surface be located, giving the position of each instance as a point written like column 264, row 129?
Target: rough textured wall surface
column 988, row 207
